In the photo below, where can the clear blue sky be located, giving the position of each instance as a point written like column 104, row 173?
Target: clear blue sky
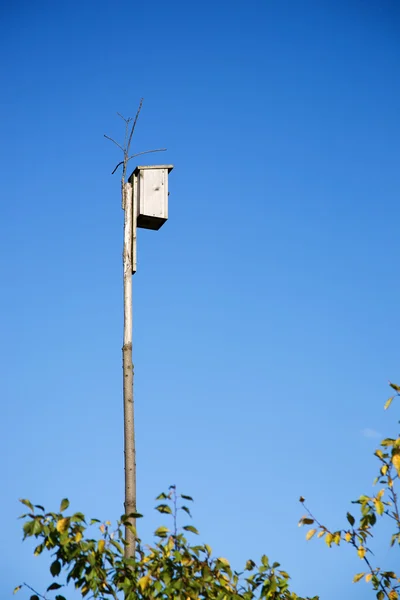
column 266, row 310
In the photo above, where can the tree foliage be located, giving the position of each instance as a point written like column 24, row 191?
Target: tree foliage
column 359, row 531
column 90, row 556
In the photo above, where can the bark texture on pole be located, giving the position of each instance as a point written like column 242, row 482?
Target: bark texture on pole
column 129, row 264
column 127, row 366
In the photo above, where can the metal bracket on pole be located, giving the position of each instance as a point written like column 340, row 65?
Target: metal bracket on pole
column 134, row 218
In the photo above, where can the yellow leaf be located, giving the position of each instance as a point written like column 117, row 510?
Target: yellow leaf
column 62, row 525
column 321, row 533
column 101, row 545
column 102, row 528
column 361, row 552
column 368, row 577
column 384, row 469
column 380, row 508
column 336, row 538
column 393, row 595
column 329, row 539
column 347, row 537
column 310, row 534
column 144, row 582
column 380, row 494
column 396, row 463
column 388, row 402
column 224, row 561
column 17, row 589
column 170, row 544
column 358, row 577
column 78, row 536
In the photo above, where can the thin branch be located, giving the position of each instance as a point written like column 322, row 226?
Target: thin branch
column 110, row 591
column 126, row 139
column 116, row 143
column 354, row 544
column 147, row 152
column 34, row 591
column 134, row 124
column 123, row 118
column 134, row 155
column 118, row 165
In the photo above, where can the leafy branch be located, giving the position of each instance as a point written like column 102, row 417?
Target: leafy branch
column 171, row 568
column 372, row 508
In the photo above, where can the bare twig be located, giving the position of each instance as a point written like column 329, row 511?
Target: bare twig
column 118, row 165
column 147, row 152
column 123, row 118
column 134, row 124
column 116, row 143
column 34, row 591
column 134, row 155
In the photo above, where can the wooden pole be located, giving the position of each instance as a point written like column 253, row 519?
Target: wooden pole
column 129, row 199
column 128, row 372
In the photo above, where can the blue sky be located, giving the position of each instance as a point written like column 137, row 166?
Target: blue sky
column 265, row 310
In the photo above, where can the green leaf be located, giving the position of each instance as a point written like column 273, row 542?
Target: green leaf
column 350, row 519
column 27, row 528
column 55, row 568
column 185, row 508
column 54, row 586
column 117, row 546
column 306, row 521
column 358, row 577
column 191, row 528
column 39, row 507
column 34, row 597
column 394, row 386
column 64, row 504
column 187, row 497
column 164, row 508
column 162, row 496
column 250, row 564
column 58, row 597
column 161, row 532
column 388, row 442
column 27, row 503
column 78, row 517
column 38, row 550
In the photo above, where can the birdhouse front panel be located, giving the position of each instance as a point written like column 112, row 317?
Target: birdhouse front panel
column 152, row 197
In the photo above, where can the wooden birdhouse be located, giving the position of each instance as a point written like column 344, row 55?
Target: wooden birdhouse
column 150, row 190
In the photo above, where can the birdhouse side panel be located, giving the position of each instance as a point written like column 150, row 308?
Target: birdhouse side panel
column 153, row 193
